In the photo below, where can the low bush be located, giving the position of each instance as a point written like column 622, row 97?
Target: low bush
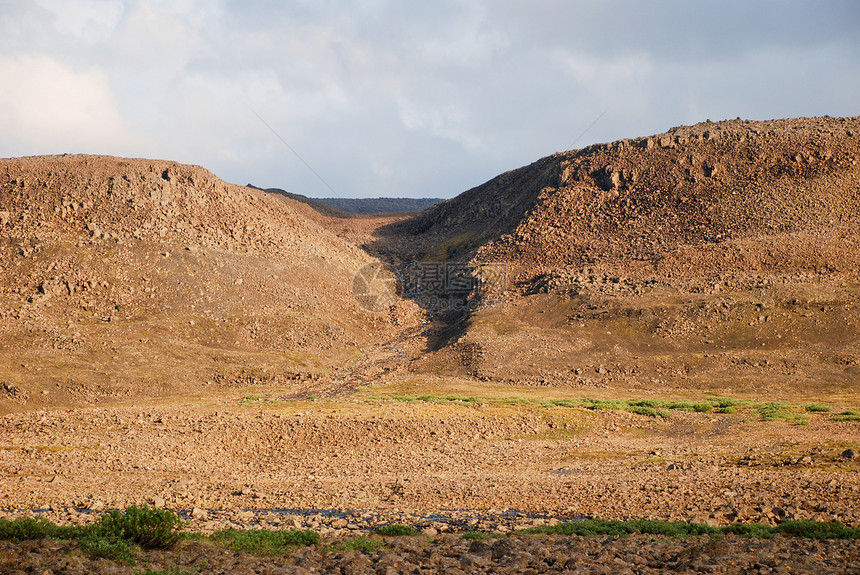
column 145, row 526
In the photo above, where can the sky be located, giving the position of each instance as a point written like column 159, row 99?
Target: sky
column 404, row 98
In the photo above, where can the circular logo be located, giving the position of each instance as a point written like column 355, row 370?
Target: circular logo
column 376, row 287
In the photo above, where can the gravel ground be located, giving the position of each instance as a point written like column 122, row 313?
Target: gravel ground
column 453, row 554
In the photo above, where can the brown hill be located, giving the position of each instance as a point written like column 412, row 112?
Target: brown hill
column 687, row 202
column 122, row 277
column 711, row 256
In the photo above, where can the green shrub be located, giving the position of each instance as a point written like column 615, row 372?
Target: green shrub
column 265, row 541
column 145, row 526
column 393, row 530
column 817, row 408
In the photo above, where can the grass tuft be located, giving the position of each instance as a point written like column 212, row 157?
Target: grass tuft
column 395, row 530
column 265, row 541
column 847, row 415
column 817, row 408
column 362, row 544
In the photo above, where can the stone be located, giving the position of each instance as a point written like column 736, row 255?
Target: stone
column 471, row 561
column 199, row 514
column 339, row 523
column 849, row 454
column 429, row 531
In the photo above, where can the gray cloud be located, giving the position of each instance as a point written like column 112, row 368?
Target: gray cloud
column 403, row 98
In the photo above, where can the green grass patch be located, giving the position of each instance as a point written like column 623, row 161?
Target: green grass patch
column 395, row 530
column 724, row 402
column 28, row 528
column 847, row 415
column 610, row 527
column 265, row 541
column 749, row 530
column 800, row 529
column 119, row 550
column 817, row 530
column 361, row 544
column 776, row 411
column 664, row 408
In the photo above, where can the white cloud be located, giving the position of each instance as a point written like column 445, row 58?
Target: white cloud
column 91, row 21
column 49, row 108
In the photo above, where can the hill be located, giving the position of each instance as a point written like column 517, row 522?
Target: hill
column 128, row 277
column 697, row 259
column 706, row 187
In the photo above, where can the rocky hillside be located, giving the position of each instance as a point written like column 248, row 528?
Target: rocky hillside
column 160, row 275
column 711, row 256
column 757, row 197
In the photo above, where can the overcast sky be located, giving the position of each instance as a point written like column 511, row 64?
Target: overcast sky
column 404, row 98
